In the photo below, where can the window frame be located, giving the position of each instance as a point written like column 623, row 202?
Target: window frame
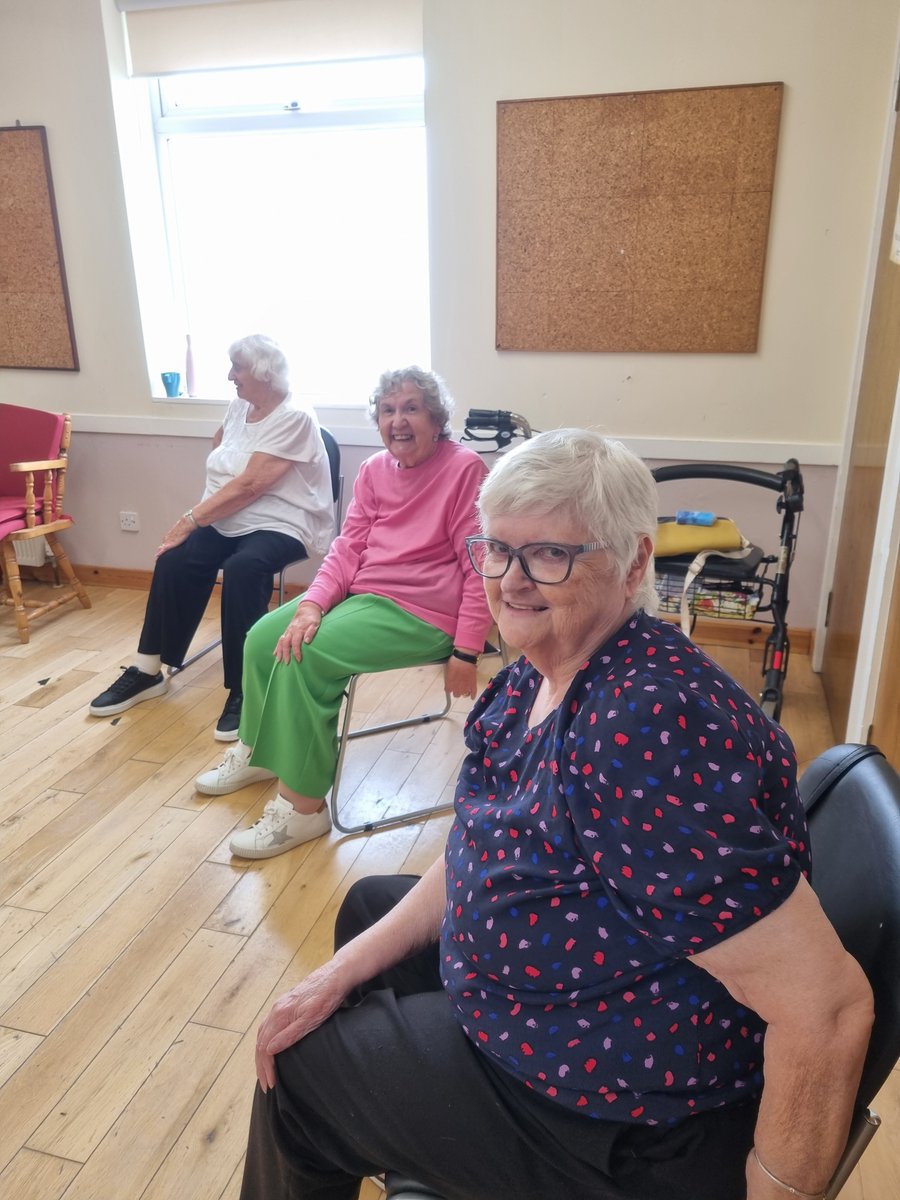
column 404, row 110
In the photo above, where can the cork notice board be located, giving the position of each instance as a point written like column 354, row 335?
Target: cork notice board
column 35, row 317
column 635, row 222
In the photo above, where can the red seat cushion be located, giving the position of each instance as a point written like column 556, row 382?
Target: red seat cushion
column 12, row 514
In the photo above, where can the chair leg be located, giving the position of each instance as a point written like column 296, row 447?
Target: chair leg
column 62, row 561
column 14, row 587
column 346, row 735
column 862, row 1130
column 170, row 671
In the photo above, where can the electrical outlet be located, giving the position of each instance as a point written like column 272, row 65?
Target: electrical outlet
column 129, row 522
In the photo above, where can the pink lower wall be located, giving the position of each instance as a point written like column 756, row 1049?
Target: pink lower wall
column 159, row 477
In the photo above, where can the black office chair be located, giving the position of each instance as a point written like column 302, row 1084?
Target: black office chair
column 851, row 795
column 333, row 451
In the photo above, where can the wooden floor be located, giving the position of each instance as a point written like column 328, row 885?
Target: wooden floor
column 136, row 957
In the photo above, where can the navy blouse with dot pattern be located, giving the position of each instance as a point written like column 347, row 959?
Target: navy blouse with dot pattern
column 654, row 813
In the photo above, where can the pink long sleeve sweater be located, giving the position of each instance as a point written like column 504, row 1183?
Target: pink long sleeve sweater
column 404, row 538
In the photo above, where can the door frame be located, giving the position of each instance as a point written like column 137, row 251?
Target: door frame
column 877, row 606
column 887, row 530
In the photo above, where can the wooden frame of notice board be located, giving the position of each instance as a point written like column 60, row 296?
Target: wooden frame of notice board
column 635, row 221
column 36, row 329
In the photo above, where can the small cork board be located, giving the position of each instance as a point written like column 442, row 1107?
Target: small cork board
column 35, row 317
column 635, row 221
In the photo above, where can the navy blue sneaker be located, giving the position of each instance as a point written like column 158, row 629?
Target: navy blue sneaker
column 130, row 688
column 230, row 720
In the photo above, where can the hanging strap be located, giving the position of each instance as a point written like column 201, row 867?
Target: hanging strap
column 694, row 570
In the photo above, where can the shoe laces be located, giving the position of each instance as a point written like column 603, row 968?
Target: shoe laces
column 236, row 758
column 126, row 681
column 273, row 818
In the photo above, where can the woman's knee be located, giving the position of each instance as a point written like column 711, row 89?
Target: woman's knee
column 264, row 633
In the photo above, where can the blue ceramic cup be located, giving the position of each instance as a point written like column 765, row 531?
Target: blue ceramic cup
column 171, row 382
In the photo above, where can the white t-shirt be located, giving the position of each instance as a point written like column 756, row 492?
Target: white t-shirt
column 300, row 504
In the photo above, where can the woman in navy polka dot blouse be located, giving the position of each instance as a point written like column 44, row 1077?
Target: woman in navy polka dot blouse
column 616, row 982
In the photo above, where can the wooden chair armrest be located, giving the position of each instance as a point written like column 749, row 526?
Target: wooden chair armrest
column 50, row 464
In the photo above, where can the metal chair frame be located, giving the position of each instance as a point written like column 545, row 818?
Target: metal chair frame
column 347, row 735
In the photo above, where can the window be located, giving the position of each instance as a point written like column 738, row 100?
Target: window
column 295, row 205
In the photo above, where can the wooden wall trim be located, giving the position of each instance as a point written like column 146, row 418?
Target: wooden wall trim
column 708, row 632
column 138, row 580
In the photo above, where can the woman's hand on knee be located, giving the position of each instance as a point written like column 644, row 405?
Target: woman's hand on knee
column 180, row 532
column 295, row 1014
column 301, row 630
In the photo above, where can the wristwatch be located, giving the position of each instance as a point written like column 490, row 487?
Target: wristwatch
column 463, row 657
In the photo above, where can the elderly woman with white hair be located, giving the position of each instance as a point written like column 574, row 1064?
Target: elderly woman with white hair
column 397, row 589
column 267, row 502
column 616, row 982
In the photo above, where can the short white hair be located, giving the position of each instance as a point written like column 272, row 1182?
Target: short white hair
column 596, row 481
column 435, row 395
column 264, row 359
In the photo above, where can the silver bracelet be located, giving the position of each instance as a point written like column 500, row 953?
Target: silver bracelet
column 193, row 520
column 787, row 1187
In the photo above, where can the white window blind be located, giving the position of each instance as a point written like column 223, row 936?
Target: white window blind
column 166, row 36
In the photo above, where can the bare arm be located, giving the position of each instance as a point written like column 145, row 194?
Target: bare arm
column 411, row 926
column 790, row 968
column 259, row 476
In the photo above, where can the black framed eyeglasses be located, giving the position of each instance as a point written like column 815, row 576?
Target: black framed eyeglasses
column 542, row 562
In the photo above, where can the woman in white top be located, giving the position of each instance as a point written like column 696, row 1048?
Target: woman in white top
column 267, row 502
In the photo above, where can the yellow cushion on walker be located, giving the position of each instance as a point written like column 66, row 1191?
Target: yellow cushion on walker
column 672, row 538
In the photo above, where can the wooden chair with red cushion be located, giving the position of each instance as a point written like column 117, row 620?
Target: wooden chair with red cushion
column 34, row 449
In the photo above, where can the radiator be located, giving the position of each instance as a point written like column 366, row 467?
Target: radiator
column 32, row 553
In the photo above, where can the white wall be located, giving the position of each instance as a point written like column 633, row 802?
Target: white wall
column 836, row 61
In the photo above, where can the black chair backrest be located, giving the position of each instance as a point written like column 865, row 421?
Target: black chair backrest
column 333, row 450
column 851, row 794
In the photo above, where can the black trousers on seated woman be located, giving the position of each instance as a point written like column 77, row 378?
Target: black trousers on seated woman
column 393, row 1082
column 183, row 580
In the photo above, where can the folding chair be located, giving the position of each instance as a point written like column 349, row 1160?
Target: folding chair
column 346, row 735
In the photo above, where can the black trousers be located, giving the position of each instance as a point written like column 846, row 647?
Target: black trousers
column 393, row 1082
column 183, row 580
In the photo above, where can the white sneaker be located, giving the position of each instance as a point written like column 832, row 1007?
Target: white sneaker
column 232, row 773
column 279, row 828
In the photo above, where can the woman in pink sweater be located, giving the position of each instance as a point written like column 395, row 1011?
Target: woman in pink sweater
column 396, row 590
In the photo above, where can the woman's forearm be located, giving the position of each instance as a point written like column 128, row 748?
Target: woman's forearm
column 410, row 926
column 791, row 968
column 232, row 497
column 811, row 1078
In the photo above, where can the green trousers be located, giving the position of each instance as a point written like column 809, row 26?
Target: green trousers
column 291, row 710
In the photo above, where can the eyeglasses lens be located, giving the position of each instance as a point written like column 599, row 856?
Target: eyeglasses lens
column 544, row 562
